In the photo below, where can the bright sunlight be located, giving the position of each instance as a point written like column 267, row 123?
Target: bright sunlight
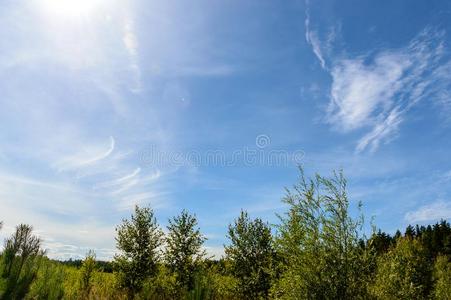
column 70, row 8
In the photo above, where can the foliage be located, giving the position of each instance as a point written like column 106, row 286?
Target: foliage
column 163, row 286
column 381, row 242
column 104, row 266
column 21, row 261
column 223, row 286
column 251, row 253
column 103, row 285
column 184, row 251
column 442, row 274
column 138, row 241
column 318, row 252
column 49, row 283
column 404, row 272
column 319, row 243
column 87, row 271
column 435, row 238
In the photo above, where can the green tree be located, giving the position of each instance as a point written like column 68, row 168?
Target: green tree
column 87, row 271
column 404, row 272
column 184, row 251
column 138, row 241
column 49, row 282
column 251, row 253
column 410, row 231
column 320, row 243
column 381, row 242
column 21, row 261
column 442, row 276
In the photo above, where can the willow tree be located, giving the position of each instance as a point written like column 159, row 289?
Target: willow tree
column 320, row 243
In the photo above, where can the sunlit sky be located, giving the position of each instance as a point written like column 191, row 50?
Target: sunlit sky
column 106, row 104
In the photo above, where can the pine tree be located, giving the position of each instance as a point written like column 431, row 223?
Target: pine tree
column 410, row 231
column 21, row 261
column 381, row 242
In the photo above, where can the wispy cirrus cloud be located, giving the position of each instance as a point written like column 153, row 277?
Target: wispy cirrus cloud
column 376, row 90
column 358, row 90
column 110, row 173
column 72, row 80
column 85, row 158
column 69, row 209
column 432, row 212
column 312, row 38
column 321, row 48
column 120, row 180
column 152, row 198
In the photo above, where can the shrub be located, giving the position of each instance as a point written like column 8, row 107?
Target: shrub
column 442, row 276
column 404, row 272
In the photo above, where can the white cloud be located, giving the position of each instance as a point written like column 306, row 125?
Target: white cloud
column 70, row 218
column 321, row 48
column 382, row 131
column 214, row 251
column 85, row 158
column 358, row 90
column 376, row 91
column 446, row 176
column 154, row 199
column 118, row 181
column 433, row 212
column 60, row 213
column 104, row 176
column 70, row 82
column 312, row 38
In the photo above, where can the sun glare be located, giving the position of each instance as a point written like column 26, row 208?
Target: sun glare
column 70, row 8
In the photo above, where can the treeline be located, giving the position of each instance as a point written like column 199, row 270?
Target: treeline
column 101, row 265
column 316, row 251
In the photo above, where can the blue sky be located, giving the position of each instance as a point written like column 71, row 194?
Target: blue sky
column 210, row 105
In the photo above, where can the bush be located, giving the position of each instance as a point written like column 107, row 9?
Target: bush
column 404, row 272
column 442, row 276
column 49, row 283
column 318, row 243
